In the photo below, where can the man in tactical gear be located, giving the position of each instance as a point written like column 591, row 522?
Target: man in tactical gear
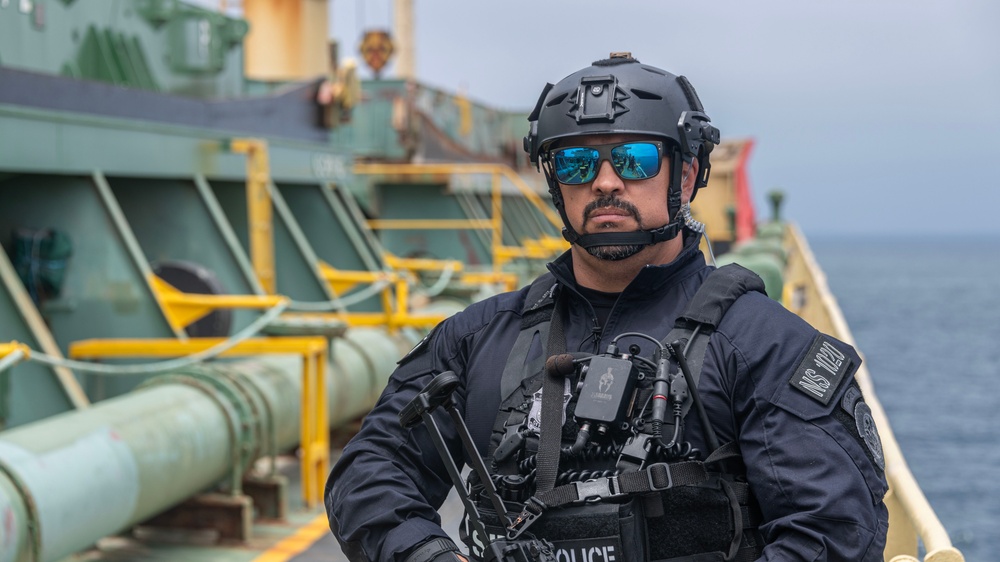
column 778, row 458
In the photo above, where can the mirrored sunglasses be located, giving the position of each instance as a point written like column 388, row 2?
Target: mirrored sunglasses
column 631, row 161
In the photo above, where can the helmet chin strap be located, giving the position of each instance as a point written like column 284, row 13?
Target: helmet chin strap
column 636, row 237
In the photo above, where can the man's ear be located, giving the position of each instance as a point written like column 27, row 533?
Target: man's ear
column 689, row 174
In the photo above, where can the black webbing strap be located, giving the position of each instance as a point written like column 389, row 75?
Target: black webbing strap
column 704, row 313
column 730, row 452
column 535, row 317
column 431, row 549
column 747, row 554
column 550, row 432
column 655, row 478
column 750, row 516
column 727, row 451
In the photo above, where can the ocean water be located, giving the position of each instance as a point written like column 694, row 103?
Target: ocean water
column 925, row 313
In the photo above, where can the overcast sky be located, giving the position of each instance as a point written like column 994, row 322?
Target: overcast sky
column 873, row 116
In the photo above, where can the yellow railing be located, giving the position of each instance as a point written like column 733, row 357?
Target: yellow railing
column 508, row 281
column 394, row 296
column 911, row 518
column 182, row 309
column 545, row 247
column 11, row 353
column 259, row 222
column 12, row 346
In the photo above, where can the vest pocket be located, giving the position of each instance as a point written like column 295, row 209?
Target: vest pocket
column 699, row 523
column 589, row 533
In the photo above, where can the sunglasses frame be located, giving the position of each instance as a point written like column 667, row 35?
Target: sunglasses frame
column 604, row 153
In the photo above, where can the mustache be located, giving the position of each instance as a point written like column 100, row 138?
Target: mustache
column 610, row 201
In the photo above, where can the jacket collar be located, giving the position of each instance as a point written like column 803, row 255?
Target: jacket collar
column 651, row 278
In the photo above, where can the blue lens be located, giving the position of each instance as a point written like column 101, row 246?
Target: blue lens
column 631, row 160
column 636, row 160
column 574, row 166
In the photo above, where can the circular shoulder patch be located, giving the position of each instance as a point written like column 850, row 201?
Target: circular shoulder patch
column 867, row 430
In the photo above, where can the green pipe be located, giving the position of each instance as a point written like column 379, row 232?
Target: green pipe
column 131, row 457
column 365, row 354
column 127, row 458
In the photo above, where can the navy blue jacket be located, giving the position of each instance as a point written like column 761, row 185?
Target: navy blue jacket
column 819, row 491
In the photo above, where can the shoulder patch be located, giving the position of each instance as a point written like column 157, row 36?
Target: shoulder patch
column 869, row 433
column 419, row 348
column 822, row 370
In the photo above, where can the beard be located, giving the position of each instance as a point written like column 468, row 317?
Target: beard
column 615, row 253
column 618, row 252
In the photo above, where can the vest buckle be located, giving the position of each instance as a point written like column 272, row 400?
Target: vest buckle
column 597, row 490
column 659, row 477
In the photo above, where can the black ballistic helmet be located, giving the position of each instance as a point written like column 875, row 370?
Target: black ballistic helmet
column 619, row 95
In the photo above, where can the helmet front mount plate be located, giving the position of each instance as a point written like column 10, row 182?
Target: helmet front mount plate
column 599, row 99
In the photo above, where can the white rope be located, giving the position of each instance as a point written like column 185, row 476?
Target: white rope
column 181, row 362
column 11, row 358
column 442, row 282
column 340, row 304
column 170, row 364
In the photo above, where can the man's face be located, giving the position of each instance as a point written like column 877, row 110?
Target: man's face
column 610, row 204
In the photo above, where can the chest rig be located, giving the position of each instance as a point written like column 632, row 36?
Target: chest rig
column 584, row 451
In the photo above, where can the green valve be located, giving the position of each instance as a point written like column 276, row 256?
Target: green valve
column 776, row 196
column 731, row 220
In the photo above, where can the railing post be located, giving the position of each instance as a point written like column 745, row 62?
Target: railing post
column 259, row 220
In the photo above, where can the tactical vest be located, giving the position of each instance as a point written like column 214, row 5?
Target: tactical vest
column 600, row 507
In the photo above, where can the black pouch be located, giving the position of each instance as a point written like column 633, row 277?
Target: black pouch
column 603, row 531
column 700, row 523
